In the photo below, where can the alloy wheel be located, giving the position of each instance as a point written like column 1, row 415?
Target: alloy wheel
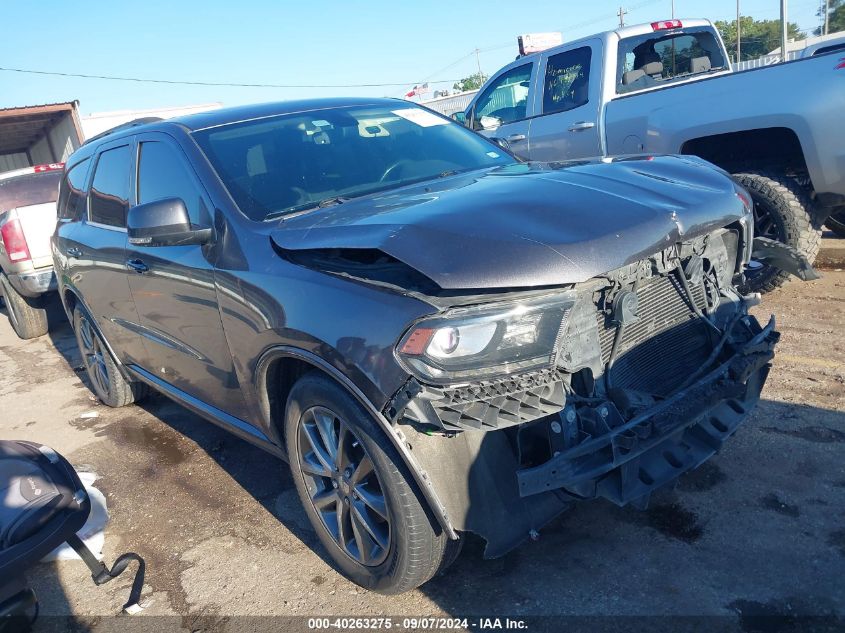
column 93, row 357
column 343, row 486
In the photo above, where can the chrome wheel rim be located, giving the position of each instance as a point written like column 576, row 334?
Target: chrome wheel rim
column 343, row 486
column 93, row 357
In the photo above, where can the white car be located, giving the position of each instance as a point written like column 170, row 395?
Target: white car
column 27, row 220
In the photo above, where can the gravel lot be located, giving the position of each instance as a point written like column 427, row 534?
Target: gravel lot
column 757, row 530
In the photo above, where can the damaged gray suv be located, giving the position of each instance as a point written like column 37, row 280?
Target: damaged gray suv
column 438, row 338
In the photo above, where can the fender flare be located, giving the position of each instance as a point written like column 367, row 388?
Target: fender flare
column 396, row 436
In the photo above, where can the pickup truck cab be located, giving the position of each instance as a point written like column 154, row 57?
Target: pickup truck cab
column 27, row 220
column 667, row 88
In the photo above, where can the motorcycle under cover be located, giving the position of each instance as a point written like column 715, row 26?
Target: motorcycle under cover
column 42, row 504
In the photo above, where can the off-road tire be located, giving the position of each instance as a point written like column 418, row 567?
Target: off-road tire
column 417, row 545
column 27, row 315
column 790, row 209
column 836, row 223
column 119, row 392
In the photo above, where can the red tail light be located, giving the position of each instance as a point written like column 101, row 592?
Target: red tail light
column 666, row 24
column 14, row 240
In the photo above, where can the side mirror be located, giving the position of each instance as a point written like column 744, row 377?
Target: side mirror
column 490, row 122
column 460, row 117
column 164, row 223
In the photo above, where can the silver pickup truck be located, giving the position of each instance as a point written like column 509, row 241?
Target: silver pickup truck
column 667, row 87
column 27, row 220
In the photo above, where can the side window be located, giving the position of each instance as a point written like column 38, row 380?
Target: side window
column 505, row 100
column 109, row 199
column 71, row 204
column 162, row 173
column 567, row 81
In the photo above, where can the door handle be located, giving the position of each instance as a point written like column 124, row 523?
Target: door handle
column 137, row 265
column 74, row 252
column 581, row 125
column 513, row 138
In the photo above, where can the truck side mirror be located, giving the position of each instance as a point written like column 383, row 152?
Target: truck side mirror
column 460, row 117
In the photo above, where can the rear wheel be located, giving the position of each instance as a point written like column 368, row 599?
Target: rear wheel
column 27, row 316
column 357, row 491
column 781, row 212
column 107, row 383
column 836, row 223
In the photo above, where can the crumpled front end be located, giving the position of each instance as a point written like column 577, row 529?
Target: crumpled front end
column 655, row 365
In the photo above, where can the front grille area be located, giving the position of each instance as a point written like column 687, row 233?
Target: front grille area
column 493, row 404
column 666, row 344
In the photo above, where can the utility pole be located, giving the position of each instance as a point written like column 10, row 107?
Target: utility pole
column 826, row 16
column 784, row 22
column 621, row 13
column 478, row 61
column 738, row 33
column 673, row 9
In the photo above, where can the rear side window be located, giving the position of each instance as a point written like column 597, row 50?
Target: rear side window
column 72, row 199
column 163, row 174
column 567, row 80
column 110, row 188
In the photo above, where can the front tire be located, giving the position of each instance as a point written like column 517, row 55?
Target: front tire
column 357, row 491
column 105, row 379
column 781, row 212
column 27, row 316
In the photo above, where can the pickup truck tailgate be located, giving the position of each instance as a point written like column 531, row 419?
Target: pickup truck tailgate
column 38, row 222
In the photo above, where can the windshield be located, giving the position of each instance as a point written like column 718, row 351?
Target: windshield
column 662, row 57
column 280, row 165
column 23, row 191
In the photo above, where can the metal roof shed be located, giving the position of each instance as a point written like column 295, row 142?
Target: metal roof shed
column 33, row 135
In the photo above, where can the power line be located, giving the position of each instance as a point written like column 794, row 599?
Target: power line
column 30, row 71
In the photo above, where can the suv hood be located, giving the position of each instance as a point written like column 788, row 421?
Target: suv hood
column 528, row 225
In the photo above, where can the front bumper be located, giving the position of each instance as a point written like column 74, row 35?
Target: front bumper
column 629, row 460
column 35, row 283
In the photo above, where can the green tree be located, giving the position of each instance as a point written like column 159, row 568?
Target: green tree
column 835, row 17
column 757, row 37
column 473, row 82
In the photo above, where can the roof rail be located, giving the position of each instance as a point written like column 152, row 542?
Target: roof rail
column 125, row 126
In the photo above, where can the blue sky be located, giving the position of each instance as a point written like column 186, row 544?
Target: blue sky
column 279, row 42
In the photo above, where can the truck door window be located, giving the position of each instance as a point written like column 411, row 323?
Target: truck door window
column 72, row 200
column 162, row 174
column 663, row 57
column 505, row 100
column 109, row 199
column 567, row 80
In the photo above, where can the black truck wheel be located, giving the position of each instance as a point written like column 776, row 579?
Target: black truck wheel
column 357, row 491
column 836, row 223
column 107, row 383
column 781, row 212
column 27, row 316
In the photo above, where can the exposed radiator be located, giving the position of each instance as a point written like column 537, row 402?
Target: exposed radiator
column 666, row 344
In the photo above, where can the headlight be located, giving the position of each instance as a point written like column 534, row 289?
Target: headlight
column 485, row 341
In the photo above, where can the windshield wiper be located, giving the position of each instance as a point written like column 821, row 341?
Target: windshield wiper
column 294, row 212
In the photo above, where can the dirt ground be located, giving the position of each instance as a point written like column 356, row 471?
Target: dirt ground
column 759, row 530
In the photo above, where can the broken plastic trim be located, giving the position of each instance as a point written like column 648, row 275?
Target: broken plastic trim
column 630, row 460
column 784, row 257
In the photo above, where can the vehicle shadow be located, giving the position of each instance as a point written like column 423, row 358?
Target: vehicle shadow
column 751, row 539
